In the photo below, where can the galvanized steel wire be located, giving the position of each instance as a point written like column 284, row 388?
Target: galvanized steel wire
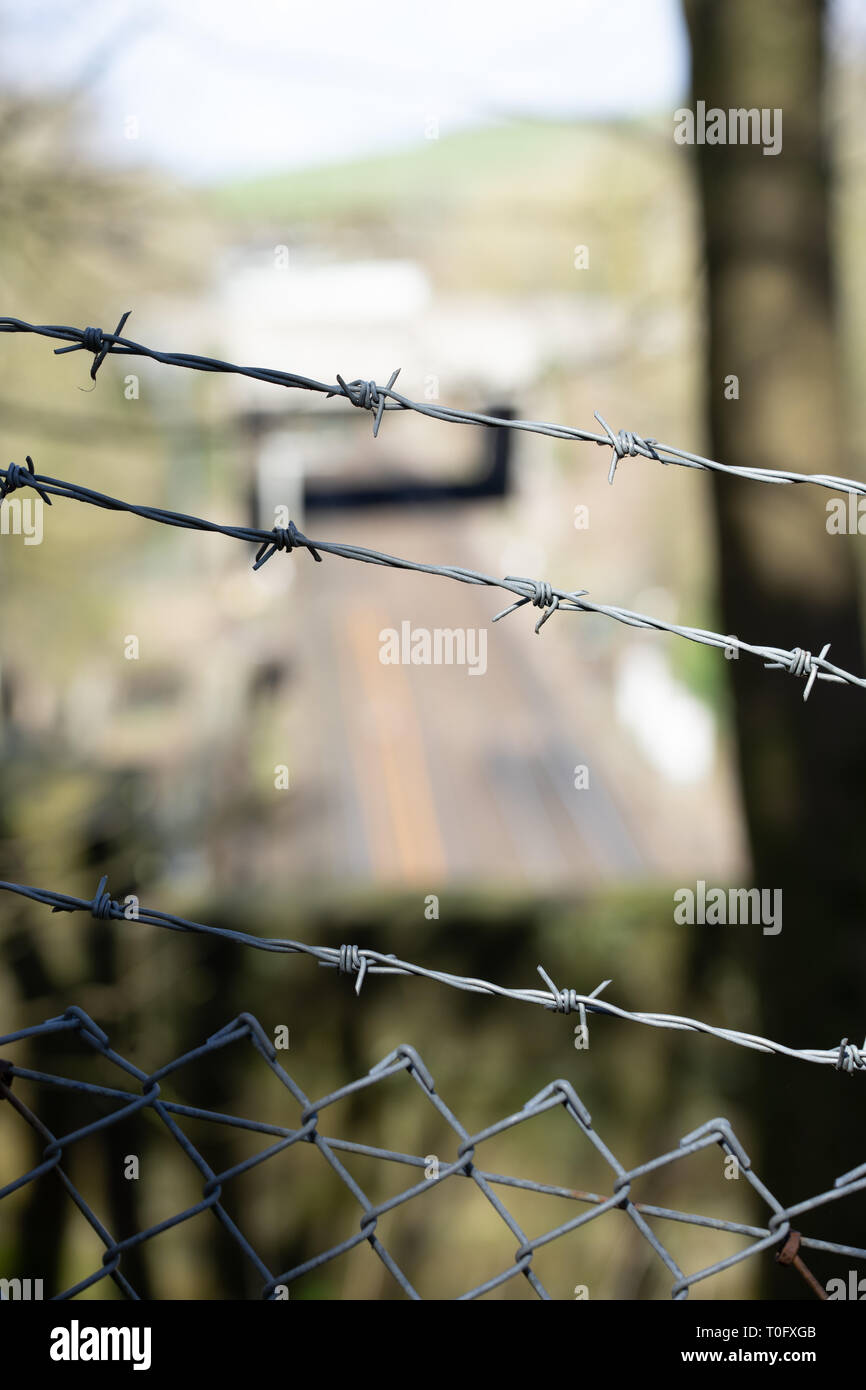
column 367, row 395
column 142, row 1092
column 360, row 962
column 797, row 661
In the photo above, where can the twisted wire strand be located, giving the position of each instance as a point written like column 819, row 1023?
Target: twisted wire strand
column 361, row 962
column 539, row 593
column 379, row 400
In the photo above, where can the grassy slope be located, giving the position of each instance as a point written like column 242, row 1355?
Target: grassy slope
column 467, row 163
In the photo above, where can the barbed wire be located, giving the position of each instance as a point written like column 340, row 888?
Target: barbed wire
column 777, row 1233
column 361, row 962
column 366, row 395
column 797, row 661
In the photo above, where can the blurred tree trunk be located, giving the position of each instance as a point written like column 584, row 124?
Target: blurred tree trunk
column 786, row 582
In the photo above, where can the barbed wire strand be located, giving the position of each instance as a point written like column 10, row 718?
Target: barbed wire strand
column 797, row 661
column 366, row 395
column 778, row 1232
column 352, row 960
column 361, row 962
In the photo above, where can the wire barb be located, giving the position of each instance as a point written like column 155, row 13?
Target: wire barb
column 366, row 395
column 540, row 595
column 851, row 1058
column 102, row 906
column 625, row 443
column 16, row 477
column 352, row 962
column 95, row 341
column 802, row 663
column 286, row 538
column 566, row 1001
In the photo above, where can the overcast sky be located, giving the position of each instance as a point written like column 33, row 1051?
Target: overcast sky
column 225, row 87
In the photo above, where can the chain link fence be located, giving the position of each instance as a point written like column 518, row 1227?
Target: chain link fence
column 137, row 1094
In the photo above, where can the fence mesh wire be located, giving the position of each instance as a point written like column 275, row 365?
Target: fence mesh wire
column 138, row 1093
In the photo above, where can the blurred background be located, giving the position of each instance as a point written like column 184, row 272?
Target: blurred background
column 492, row 200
